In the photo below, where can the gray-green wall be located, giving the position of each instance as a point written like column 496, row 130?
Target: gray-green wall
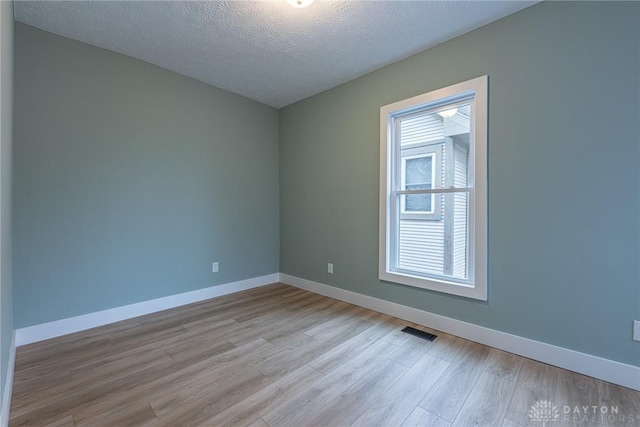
column 6, row 143
column 563, row 176
column 130, row 180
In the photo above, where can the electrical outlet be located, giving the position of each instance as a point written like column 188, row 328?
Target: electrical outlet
column 636, row 330
column 330, row 268
column 214, row 267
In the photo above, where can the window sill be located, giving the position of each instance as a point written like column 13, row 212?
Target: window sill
column 472, row 291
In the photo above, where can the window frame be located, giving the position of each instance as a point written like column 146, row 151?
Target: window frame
column 475, row 286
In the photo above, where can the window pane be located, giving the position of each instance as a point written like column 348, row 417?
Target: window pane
column 418, row 177
column 418, row 203
column 437, row 247
column 419, row 171
column 449, row 126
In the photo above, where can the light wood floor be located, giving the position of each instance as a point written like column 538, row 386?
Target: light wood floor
column 280, row 356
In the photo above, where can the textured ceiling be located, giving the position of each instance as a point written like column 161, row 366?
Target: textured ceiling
column 265, row 50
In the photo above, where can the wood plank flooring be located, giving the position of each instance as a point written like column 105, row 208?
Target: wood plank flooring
column 281, row 356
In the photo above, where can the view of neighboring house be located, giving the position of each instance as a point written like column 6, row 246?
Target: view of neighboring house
column 433, row 226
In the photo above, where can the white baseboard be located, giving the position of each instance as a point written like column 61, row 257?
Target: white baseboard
column 593, row 366
column 8, row 384
column 70, row 325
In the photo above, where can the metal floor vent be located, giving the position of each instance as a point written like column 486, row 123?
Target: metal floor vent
column 420, row 334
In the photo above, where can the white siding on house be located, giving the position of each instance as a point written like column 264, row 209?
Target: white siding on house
column 421, row 129
column 421, row 246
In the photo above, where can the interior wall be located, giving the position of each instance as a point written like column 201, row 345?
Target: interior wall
column 6, row 142
column 564, row 193
column 130, row 180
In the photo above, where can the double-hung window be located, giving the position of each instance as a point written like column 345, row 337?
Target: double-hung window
column 433, row 190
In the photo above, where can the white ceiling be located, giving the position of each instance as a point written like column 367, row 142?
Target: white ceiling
column 268, row 51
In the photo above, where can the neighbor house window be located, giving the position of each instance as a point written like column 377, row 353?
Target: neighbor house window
column 433, row 190
column 420, row 170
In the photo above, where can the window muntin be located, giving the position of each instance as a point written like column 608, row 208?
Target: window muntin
column 433, row 190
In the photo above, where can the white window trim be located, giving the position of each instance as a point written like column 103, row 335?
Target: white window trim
column 476, row 286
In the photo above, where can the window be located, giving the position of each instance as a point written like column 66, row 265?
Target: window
column 420, row 171
column 433, row 190
column 418, row 174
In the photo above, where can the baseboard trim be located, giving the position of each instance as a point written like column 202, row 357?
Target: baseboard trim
column 70, row 325
column 593, row 366
column 8, row 383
